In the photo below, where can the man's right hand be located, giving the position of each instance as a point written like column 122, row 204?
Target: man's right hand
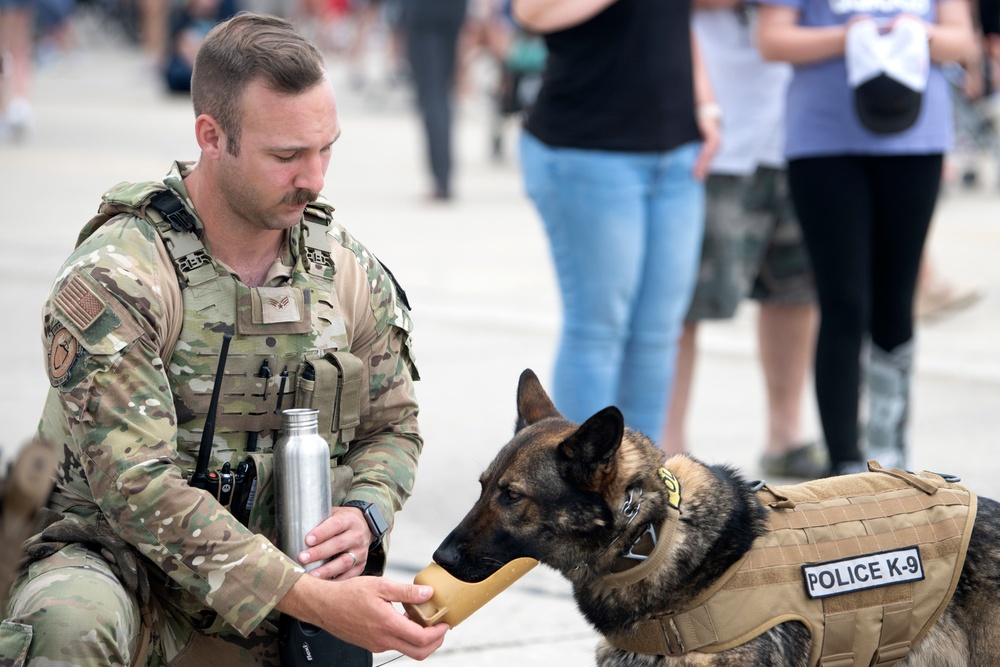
column 360, row 610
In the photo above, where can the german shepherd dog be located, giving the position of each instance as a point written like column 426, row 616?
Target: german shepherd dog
column 557, row 490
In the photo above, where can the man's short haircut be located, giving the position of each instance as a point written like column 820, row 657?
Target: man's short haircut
column 242, row 50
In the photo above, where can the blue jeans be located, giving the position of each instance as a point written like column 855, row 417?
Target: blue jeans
column 625, row 231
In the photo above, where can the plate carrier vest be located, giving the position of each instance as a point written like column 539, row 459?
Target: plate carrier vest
column 823, row 522
column 307, row 358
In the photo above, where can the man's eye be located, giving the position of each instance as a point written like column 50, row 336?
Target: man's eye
column 285, row 158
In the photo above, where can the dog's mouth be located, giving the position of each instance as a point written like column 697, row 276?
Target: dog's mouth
column 466, row 567
column 471, row 572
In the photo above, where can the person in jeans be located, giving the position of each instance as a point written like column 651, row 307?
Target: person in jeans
column 613, row 152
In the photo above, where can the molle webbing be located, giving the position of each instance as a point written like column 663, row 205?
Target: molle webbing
column 214, row 302
column 821, row 522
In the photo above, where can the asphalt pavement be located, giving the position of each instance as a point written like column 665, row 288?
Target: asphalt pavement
column 478, row 275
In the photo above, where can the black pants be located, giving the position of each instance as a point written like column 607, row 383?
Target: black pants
column 864, row 220
column 431, row 44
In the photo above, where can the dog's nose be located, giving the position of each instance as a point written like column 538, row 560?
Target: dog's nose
column 447, row 554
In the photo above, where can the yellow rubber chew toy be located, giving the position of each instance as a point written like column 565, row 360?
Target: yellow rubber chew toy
column 455, row 600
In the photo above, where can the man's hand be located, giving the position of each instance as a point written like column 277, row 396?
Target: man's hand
column 360, row 611
column 344, row 538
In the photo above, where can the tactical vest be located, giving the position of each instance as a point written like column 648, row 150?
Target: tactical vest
column 867, row 562
column 288, row 349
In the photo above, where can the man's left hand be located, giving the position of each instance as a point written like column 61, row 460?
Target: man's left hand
column 344, row 538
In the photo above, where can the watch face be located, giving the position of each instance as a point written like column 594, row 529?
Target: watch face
column 376, row 521
column 373, row 515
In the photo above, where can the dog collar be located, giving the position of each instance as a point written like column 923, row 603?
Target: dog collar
column 647, row 551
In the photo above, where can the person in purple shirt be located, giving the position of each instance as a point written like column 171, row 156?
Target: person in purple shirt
column 864, row 201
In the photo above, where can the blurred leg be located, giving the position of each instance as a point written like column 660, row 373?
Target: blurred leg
column 591, row 204
column 670, row 254
column 833, row 201
column 786, row 337
column 431, row 50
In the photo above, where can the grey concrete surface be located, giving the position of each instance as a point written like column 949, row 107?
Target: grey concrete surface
column 478, row 275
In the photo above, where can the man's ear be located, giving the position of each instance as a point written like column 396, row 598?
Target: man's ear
column 211, row 139
column 533, row 404
column 588, row 458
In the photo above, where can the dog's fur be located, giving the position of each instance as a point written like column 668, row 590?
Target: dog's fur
column 555, row 493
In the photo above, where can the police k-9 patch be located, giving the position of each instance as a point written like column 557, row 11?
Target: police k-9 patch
column 859, row 573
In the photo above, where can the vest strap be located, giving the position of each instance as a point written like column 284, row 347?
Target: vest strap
column 894, row 641
column 656, row 636
column 317, row 259
column 914, row 480
column 182, row 239
column 838, row 639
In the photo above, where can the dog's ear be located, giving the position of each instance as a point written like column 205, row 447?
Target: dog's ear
column 533, row 404
column 588, row 458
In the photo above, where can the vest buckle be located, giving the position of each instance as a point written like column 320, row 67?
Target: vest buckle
column 169, row 206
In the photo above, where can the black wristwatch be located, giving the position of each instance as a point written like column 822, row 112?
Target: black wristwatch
column 376, row 522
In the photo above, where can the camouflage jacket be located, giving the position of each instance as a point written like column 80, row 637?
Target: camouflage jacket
column 115, row 307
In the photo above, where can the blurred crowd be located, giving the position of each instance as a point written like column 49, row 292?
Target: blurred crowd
column 592, row 119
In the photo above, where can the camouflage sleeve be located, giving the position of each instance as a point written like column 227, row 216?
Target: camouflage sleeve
column 385, row 452
column 112, row 407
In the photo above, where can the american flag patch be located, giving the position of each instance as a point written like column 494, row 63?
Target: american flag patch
column 80, row 303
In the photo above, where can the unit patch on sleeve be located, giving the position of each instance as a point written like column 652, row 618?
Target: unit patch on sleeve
column 860, row 573
column 63, row 353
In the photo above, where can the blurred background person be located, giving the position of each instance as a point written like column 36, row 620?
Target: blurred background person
column 613, row 153
column 154, row 16
column 189, row 23
column 430, row 30
column 17, row 39
column 376, row 21
column 753, row 245
column 487, row 31
column 865, row 193
column 55, row 30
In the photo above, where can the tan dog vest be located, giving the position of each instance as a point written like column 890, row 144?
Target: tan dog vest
column 867, row 562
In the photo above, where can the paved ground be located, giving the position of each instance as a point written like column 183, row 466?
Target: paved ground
column 479, row 277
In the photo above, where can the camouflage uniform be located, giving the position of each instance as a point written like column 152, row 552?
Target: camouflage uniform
column 129, row 413
column 753, row 246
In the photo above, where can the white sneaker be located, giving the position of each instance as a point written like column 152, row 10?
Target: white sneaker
column 18, row 118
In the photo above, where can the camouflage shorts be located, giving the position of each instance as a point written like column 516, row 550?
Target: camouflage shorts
column 70, row 610
column 753, row 246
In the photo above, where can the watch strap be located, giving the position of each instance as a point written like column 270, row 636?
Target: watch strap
column 377, row 524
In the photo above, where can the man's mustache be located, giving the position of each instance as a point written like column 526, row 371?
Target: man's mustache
column 300, row 198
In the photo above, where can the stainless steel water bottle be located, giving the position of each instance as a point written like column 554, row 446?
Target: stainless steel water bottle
column 303, row 499
column 301, row 481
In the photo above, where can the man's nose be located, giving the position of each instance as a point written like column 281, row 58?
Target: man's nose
column 311, row 174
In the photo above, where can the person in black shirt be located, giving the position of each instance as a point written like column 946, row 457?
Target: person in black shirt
column 614, row 151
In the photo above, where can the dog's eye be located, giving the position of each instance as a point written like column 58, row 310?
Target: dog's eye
column 510, row 496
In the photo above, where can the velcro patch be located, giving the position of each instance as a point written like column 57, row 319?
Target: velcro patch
column 274, row 305
column 848, row 575
column 80, row 303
